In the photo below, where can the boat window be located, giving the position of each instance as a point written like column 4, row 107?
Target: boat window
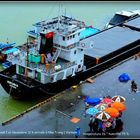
column 118, row 19
column 68, row 38
column 75, row 52
column 21, row 70
column 73, row 36
column 63, row 38
column 79, row 66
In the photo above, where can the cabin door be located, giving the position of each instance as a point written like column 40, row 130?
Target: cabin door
column 46, row 45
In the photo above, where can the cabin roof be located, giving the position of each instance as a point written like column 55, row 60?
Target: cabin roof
column 126, row 13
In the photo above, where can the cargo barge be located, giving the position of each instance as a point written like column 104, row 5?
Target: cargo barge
column 121, row 17
column 59, row 59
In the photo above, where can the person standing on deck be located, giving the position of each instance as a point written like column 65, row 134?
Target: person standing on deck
column 133, row 86
column 77, row 132
column 91, row 123
column 100, row 125
column 86, row 107
column 114, row 123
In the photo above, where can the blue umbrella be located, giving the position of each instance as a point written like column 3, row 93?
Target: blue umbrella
column 124, row 77
column 92, row 111
column 92, row 101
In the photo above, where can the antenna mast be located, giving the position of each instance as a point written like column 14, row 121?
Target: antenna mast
column 59, row 16
column 7, row 40
column 27, row 52
column 64, row 18
column 26, row 69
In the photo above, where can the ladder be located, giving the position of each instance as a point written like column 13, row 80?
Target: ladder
column 57, row 53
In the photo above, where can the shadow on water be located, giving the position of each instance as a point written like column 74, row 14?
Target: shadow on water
column 109, row 133
column 35, row 98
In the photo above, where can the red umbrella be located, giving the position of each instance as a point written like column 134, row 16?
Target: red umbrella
column 107, row 101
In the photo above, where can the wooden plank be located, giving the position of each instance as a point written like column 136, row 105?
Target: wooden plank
column 90, row 80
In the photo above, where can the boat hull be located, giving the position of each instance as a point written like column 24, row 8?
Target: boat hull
column 21, row 90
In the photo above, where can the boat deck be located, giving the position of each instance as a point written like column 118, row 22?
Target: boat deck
column 134, row 24
column 111, row 40
column 40, row 67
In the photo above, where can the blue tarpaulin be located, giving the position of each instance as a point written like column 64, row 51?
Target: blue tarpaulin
column 11, row 50
column 88, row 31
column 4, row 45
column 6, row 64
column 124, row 77
column 92, row 101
